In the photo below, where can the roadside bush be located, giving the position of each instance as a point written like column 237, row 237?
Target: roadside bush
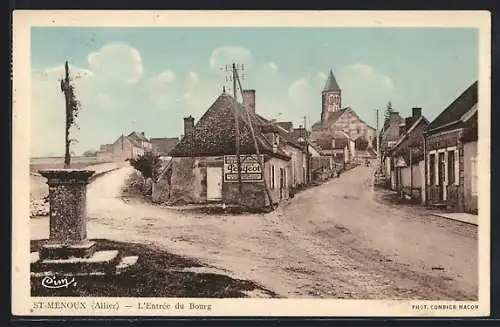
column 148, row 164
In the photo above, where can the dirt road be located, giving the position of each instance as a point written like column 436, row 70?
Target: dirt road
column 338, row 240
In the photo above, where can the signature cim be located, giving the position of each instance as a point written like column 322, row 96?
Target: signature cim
column 58, row 282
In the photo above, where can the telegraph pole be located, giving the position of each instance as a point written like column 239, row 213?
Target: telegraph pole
column 379, row 159
column 256, row 145
column 237, row 127
column 233, row 77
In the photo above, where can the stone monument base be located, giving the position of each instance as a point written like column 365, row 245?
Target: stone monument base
column 84, row 249
column 106, row 262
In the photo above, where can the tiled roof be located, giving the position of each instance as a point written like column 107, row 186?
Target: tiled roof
column 138, row 136
column 214, row 133
column 331, row 119
column 287, row 125
column 163, row 146
column 452, row 114
column 326, row 143
column 471, row 130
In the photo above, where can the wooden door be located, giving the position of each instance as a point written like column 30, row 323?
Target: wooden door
column 214, row 183
column 441, row 177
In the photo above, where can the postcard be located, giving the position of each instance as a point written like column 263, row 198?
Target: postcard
column 251, row 163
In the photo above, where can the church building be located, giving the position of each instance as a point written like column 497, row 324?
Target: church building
column 338, row 122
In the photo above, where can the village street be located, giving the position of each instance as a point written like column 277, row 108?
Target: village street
column 337, row 240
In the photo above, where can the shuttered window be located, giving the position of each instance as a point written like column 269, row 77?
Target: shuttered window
column 451, row 167
column 432, row 169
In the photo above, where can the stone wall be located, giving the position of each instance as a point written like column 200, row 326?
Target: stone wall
column 253, row 195
column 455, row 198
column 188, row 182
column 470, row 197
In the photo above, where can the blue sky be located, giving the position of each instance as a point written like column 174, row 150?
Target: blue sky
column 148, row 79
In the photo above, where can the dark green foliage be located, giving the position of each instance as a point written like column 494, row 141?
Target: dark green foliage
column 148, row 164
column 361, row 143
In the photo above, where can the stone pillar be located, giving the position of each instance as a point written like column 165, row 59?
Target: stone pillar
column 68, row 219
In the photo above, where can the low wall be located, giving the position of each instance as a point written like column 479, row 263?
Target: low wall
column 77, row 162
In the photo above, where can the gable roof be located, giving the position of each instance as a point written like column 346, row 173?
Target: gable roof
column 331, row 83
column 335, row 116
column 408, row 132
column 138, row 136
column 287, row 125
column 163, row 146
column 471, row 129
column 453, row 113
column 214, row 133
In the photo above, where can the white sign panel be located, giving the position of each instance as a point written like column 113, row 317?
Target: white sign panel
column 401, row 163
column 250, row 168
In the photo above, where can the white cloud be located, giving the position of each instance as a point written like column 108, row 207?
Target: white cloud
column 365, row 88
column 368, row 74
column 162, row 88
column 226, row 55
column 199, row 93
column 117, row 63
column 48, row 107
column 193, row 77
column 166, row 77
column 59, row 72
column 107, row 85
column 272, row 66
column 298, row 90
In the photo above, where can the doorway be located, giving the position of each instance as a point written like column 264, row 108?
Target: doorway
column 282, row 183
column 214, row 184
column 441, row 176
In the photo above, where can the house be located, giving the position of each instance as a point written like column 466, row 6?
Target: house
column 125, row 147
column 389, row 136
column 451, row 155
column 407, row 157
column 204, row 165
column 163, row 146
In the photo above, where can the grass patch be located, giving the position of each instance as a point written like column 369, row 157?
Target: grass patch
column 154, row 275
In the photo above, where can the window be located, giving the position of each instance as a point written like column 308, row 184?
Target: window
column 473, row 174
column 432, row 169
column 451, row 167
column 357, row 131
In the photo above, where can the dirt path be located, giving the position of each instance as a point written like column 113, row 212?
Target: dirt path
column 337, row 240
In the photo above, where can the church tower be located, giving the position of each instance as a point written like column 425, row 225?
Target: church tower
column 331, row 98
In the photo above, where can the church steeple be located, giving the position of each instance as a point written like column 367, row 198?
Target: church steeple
column 331, row 98
column 331, row 83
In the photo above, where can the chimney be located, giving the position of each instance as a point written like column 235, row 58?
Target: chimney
column 188, row 126
column 416, row 113
column 249, row 100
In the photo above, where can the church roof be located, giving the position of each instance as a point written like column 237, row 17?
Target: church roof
column 331, row 83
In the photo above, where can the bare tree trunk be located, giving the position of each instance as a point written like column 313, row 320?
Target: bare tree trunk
column 67, row 155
